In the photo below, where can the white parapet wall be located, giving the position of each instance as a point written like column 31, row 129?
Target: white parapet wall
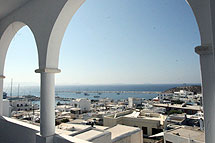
column 15, row 131
column 6, row 108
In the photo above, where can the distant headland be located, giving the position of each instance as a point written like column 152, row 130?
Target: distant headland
column 191, row 88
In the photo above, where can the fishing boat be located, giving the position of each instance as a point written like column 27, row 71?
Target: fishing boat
column 86, row 94
column 96, row 96
column 4, row 95
column 78, row 92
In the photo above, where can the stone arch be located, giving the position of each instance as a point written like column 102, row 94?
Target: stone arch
column 57, row 33
column 201, row 11
column 6, row 39
column 48, row 21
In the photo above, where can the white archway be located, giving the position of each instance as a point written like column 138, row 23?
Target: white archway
column 5, row 41
column 48, row 21
column 203, row 11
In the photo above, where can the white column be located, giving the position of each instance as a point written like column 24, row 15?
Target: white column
column 47, row 101
column 1, row 94
column 208, row 86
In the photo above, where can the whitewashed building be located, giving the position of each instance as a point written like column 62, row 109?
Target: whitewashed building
column 7, row 108
column 82, row 103
column 22, row 104
column 183, row 93
column 133, row 102
column 184, row 135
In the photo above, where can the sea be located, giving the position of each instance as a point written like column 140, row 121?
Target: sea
column 70, row 91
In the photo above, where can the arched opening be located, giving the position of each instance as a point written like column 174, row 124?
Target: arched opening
column 20, row 39
column 22, row 54
column 116, row 44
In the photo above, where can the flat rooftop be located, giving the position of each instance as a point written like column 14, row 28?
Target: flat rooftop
column 179, row 106
column 135, row 115
column 69, row 128
column 120, row 130
column 88, row 134
column 189, row 132
column 139, row 116
column 29, row 127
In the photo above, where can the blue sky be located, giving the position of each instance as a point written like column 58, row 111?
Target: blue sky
column 117, row 42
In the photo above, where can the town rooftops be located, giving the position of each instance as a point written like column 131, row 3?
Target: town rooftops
column 75, row 109
column 122, row 131
column 186, row 133
column 88, row 135
column 179, row 106
column 79, row 99
column 136, row 115
column 72, row 128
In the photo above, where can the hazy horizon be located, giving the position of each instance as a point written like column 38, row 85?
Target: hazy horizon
column 36, row 84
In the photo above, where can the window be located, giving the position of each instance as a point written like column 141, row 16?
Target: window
column 156, row 131
column 144, row 130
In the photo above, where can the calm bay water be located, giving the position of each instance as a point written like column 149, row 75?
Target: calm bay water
column 65, row 91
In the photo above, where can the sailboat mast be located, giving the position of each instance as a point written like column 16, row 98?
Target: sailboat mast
column 18, row 89
column 11, row 88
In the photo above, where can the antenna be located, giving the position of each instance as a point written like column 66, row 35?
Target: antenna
column 11, row 88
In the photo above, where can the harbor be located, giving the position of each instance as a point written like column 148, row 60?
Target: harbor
column 113, row 92
column 170, row 110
